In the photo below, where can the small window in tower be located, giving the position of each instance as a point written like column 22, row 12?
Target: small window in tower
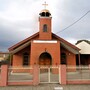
column 43, row 14
column 47, row 14
column 45, row 28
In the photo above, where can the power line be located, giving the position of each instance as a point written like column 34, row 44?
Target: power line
column 74, row 22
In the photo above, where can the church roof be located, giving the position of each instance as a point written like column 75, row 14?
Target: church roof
column 26, row 42
column 66, row 42
column 23, row 41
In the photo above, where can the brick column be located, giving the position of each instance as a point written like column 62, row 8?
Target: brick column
column 4, row 75
column 36, row 75
column 62, row 74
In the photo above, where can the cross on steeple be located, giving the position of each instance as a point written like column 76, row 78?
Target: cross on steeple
column 45, row 4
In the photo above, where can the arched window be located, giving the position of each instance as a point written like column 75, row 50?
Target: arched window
column 47, row 14
column 45, row 28
column 43, row 14
column 63, row 58
column 25, row 59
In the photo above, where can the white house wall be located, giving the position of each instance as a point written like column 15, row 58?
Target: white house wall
column 85, row 47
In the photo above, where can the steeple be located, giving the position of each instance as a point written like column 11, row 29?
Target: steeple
column 45, row 12
column 45, row 24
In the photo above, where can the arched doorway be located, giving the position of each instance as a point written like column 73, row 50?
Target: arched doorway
column 45, row 59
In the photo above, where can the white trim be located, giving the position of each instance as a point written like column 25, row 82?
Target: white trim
column 44, row 41
column 58, row 88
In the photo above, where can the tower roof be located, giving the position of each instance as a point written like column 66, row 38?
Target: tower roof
column 45, row 12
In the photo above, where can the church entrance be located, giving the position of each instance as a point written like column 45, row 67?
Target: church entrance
column 46, row 71
column 45, row 59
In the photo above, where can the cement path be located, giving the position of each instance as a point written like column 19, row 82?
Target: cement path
column 47, row 87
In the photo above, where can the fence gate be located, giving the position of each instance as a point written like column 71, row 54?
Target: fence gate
column 49, row 74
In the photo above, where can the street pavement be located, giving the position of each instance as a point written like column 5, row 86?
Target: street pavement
column 47, row 87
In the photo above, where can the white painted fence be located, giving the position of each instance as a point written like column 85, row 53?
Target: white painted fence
column 49, row 74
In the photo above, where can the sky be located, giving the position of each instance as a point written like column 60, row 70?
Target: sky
column 19, row 20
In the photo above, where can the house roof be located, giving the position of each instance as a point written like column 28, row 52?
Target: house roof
column 83, row 40
column 84, row 45
column 4, row 52
column 63, row 42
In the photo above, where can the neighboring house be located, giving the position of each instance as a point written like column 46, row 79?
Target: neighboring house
column 84, row 45
column 44, row 47
column 3, row 55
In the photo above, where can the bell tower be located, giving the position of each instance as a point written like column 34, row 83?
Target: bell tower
column 45, row 24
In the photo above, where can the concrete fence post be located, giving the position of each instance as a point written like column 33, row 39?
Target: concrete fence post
column 62, row 74
column 36, row 75
column 4, row 75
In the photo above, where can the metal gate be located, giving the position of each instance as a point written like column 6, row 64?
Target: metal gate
column 49, row 74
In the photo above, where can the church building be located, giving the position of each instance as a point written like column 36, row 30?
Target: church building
column 44, row 47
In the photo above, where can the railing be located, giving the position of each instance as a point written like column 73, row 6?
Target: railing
column 20, row 74
column 81, row 73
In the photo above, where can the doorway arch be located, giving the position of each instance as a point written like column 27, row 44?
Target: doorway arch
column 45, row 59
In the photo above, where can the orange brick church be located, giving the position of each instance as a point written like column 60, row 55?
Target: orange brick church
column 44, row 47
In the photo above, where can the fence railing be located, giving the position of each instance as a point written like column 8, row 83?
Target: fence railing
column 20, row 74
column 78, row 73
column 31, row 75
